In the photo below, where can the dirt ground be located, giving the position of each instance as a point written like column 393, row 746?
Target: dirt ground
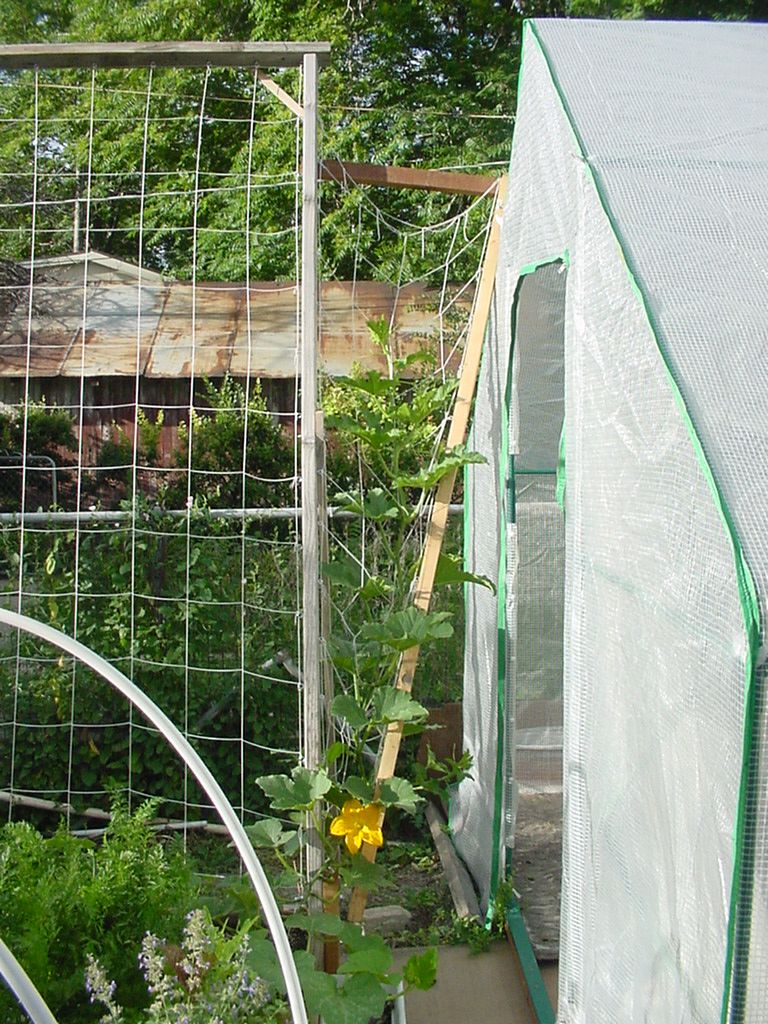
column 538, row 868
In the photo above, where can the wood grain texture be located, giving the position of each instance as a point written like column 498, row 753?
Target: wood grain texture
column 388, row 176
column 170, row 54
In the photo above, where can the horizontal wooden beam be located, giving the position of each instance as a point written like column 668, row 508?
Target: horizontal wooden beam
column 180, row 54
column 407, row 177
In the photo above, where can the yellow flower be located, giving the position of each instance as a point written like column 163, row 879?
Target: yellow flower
column 358, row 823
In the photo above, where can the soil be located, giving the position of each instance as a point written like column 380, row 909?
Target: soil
column 538, row 868
column 417, row 882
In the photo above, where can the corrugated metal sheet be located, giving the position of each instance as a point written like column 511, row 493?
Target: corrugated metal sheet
column 231, row 331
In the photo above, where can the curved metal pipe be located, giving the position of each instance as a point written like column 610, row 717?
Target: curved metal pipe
column 19, row 982
column 208, row 783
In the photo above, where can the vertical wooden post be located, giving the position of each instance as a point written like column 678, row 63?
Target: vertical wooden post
column 326, row 669
column 309, row 504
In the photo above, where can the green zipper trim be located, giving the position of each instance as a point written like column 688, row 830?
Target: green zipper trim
column 739, row 922
column 537, row 991
column 501, row 669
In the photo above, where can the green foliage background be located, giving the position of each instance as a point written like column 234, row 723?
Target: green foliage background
column 419, row 82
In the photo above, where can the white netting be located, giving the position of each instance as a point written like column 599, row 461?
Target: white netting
column 151, row 474
column 149, row 482
column 655, row 637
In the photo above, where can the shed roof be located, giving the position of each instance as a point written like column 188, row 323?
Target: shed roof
column 172, row 329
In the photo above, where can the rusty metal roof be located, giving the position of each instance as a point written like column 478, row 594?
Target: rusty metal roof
column 113, row 327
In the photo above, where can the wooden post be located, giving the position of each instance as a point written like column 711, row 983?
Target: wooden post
column 326, row 668
column 312, row 695
column 457, row 435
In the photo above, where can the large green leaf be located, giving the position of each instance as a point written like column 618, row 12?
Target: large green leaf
column 269, row 833
column 318, row 988
column 262, row 961
column 364, row 874
column 374, row 958
column 391, row 704
column 409, row 628
column 375, row 504
column 299, row 792
column 372, row 383
column 359, row 789
column 345, row 706
column 430, row 476
column 450, row 570
column 344, row 571
column 421, row 970
column 318, row 924
column 361, row 998
column 397, row 792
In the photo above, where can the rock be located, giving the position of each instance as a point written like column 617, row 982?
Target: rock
column 386, row 920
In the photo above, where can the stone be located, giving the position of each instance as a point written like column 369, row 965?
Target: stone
column 386, row 920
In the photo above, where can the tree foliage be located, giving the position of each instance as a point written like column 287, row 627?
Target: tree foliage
column 418, row 82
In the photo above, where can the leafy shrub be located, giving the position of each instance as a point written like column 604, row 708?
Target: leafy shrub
column 238, row 454
column 151, row 636
column 48, row 429
column 49, row 433
column 117, row 450
column 64, row 898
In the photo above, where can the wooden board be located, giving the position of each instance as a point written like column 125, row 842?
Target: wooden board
column 177, row 54
column 407, row 177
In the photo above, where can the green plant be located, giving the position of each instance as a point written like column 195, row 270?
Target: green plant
column 64, row 898
column 438, row 775
column 47, row 429
column 116, row 453
column 149, row 435
column 237, row 453
column 392, row 426
column 159, row 629
column 207, row 977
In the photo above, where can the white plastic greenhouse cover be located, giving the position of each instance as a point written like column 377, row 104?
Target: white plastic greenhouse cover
column 640, row 165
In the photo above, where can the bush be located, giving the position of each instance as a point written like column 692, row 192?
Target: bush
column 223, row 476
column 48, row 429
column 64, row 898
column 151, row 635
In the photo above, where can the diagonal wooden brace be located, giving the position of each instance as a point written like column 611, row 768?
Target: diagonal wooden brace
column 457, row 435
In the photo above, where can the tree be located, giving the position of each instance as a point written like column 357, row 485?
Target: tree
column 420, row 82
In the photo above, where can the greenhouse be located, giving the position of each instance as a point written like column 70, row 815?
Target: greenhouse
column 622, row 410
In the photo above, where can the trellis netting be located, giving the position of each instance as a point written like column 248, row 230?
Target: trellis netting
column 149, row 493
column 150, row 426
column 622, row 382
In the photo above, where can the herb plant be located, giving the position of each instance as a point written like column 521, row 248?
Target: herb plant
column 64, row 898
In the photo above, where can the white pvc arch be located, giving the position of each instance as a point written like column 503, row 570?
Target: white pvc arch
column 19, row 982
column 208, row 783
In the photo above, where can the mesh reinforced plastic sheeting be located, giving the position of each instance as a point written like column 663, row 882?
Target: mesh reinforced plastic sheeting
column 641, row 152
